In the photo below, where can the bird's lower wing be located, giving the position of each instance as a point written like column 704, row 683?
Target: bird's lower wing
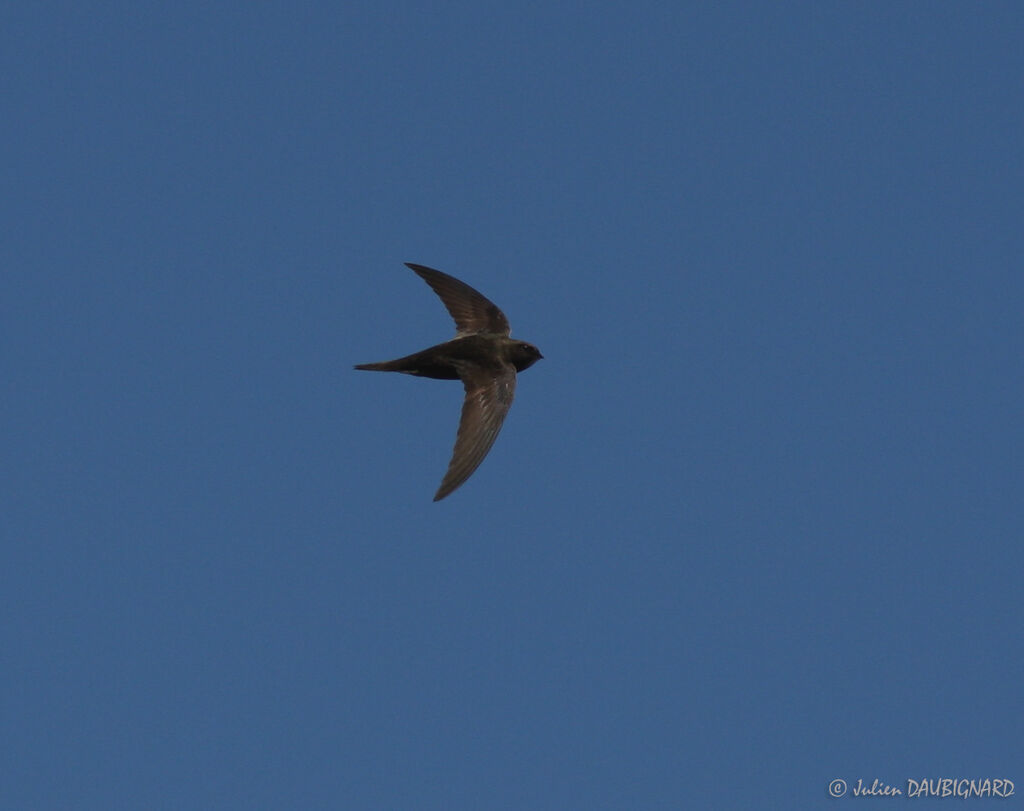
column 488, row 399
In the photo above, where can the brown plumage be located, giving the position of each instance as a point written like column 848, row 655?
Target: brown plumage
column 482, row 356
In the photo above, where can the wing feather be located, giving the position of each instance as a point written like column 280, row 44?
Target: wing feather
column 472, row 311
column 488, row 399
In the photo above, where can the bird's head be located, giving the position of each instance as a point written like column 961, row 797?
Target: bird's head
column 523, row 355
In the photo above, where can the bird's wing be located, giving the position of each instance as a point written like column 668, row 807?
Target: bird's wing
column 472, row 311
column 488, row 399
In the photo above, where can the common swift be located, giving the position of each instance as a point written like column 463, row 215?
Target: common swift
column 482, row 356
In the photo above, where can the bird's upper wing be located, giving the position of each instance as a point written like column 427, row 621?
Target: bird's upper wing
column 488, row 398
column 472, row 311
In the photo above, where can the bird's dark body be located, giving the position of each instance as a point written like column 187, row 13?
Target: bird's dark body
column 482, row 356
column 442, row 362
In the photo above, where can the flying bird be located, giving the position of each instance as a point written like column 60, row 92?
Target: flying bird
column 482, row 356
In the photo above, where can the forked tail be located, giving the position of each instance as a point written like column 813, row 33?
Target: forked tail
column 384, row 366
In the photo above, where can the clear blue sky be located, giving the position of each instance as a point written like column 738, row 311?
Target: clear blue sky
column 754, row 523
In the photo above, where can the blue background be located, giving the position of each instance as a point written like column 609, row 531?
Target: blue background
column 752, row 525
